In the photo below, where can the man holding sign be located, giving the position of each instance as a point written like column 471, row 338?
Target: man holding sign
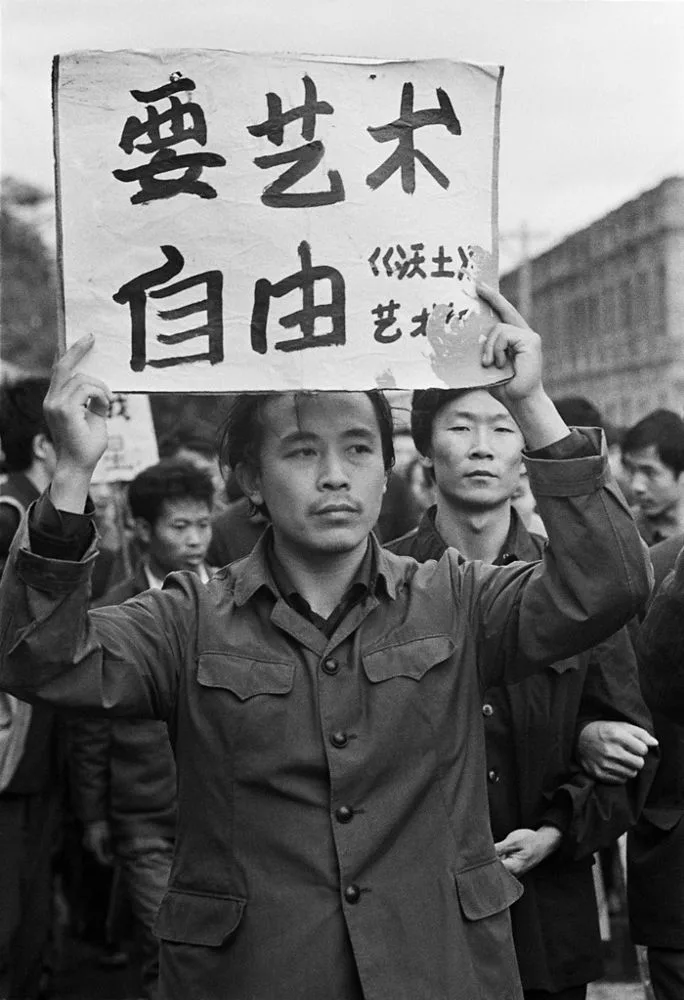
column 323, row 696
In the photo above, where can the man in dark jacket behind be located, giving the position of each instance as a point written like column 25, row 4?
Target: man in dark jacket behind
column 29, row 792
column 123, row 769
column 655, row 848
column 548, row 815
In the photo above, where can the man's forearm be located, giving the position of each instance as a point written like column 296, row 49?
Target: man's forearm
column 538, row 419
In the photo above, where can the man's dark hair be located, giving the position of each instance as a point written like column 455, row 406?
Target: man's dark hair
column 170, row 479
column 665, row 430
column 190, row 436
column 577, row 411
column 425, row 405
column 21, row 419
column 243, row 429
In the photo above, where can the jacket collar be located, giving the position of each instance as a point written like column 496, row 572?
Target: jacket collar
column 520, row 544
column 254, row 572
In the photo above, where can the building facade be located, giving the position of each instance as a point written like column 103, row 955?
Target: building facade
column 609, row 304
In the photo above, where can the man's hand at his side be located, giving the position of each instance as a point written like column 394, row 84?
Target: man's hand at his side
column 613, row 752
column 76, row 408
column 522, row 850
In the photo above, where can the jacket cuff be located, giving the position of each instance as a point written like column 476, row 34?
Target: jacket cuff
column 558, row 814
column 579, row 471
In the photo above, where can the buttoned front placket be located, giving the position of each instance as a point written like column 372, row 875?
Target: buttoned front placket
column 339, row 685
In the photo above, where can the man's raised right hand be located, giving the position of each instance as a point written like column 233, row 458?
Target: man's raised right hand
column 76, row 408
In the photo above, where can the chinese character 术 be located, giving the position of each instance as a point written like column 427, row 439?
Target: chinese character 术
column 401, row 130
column 135, row 293
column 304, row 318
column 304, row 159
column 183, row 121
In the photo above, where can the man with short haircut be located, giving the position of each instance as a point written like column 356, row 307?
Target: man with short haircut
column 548, row 816
column 28, row 736
column 124, row 775
column 324, row 696
column 653, row 457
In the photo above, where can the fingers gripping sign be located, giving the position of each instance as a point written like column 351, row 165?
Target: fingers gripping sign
column 524, row 397
column 76, row 408
column 511, row 339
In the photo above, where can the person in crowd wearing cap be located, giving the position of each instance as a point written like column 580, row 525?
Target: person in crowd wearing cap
column 123, row 772
column 548, row 814
column 324, row 696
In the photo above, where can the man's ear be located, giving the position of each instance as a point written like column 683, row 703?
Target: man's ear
column 41, row 444
column 250, row 482
column 426, row 461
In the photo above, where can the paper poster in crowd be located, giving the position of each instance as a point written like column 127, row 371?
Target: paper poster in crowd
column 132, row 444
column 233, row 222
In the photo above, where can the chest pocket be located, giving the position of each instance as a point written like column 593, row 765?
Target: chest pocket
column 244, row 676
column 410, row 659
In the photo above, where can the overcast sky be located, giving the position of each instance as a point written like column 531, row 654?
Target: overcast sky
column 592, row 98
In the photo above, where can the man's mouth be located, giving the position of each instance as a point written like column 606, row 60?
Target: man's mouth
column 337, row 508
column 479, row 473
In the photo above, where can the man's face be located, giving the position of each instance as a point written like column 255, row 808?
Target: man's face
column 654, row 485
column 180, row 537
column 321, row 471
column 476, row 452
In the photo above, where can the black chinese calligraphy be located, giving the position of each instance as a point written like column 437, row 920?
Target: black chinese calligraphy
column 306, row 317
column 411, row 266
column 387, row 320
column 182, row 121
column 402, row 131
column 136, row 293
column 304, row 159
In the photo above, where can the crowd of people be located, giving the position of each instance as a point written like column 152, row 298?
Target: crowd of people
column 368, row 739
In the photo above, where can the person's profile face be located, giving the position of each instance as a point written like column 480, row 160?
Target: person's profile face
column 321, row 472
column 654, row 485
column 475, row 451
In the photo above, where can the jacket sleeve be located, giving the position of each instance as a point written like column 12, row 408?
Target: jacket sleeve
column 89, row 743
column 120, row 660
column 660, row 647
column 593, row 577
column 598, row 813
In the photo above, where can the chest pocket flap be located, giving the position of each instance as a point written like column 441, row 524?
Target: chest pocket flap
column 486, row 890
column 194, row 918
column 408, row 659
column 244, row 676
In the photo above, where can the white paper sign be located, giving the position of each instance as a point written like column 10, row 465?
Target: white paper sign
column 241, row 222
column 132, row 444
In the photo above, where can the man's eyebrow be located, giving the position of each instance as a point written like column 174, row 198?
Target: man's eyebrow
column 365, row 432
column 498, row 418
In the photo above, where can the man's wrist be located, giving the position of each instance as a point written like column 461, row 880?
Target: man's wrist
column 538, row 419
column 69, row 489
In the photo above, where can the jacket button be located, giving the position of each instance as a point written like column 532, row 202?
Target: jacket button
column 330, row 666
column 344, row 814
column 339, row 739
column 487, row 710
column 352, row 894
column 507, row 558
column 493, row 776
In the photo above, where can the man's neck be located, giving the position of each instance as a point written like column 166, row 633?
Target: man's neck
column 323, row 578
column 477, row 534
column 38, row 475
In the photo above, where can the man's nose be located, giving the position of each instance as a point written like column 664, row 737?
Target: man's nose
column 481, row 445
column 333, row 473
column 637, row 483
